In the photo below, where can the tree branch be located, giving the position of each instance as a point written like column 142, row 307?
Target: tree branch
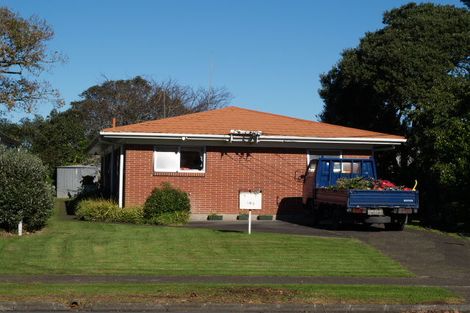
column 10, row 72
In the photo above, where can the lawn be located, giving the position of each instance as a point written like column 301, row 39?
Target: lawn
column 85, row 248
column 226, row 293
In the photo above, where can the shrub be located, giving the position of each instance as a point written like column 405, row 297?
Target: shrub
column 131, row 215
column 102, row 210
column 25, row 193
column 171, row 218
column 99, row 210
column 87, row 191
column 167, row 199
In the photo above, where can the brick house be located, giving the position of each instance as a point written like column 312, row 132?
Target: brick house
column 217, row 155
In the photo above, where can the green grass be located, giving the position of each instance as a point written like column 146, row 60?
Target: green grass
column 464, row 236
column 226, row 293
column 86, row 248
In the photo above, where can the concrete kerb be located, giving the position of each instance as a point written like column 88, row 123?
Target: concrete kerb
column 146, row 307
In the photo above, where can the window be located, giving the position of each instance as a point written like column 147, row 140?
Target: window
column 312, row 167
column 346, row 168
column 336, row 167
column 356, row 168
column 178, row 159
column 191, row 159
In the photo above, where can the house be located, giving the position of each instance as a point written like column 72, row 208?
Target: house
column 218, row 155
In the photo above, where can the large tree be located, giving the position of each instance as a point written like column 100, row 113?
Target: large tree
column 412, row 78
column 23, row 57
column 138, row 99
column 58, row 139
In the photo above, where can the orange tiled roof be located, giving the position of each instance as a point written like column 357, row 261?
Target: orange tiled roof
column 221, row 121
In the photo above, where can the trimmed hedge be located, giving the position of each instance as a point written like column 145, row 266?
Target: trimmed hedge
column 25, row 193
column 101, row 210
column 167, row 206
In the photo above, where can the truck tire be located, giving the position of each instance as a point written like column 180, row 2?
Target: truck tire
column 394, row 226
column 336, row 219
column 314, row 213
column 397, row 224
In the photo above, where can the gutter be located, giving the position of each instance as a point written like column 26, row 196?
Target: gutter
column 261, row 138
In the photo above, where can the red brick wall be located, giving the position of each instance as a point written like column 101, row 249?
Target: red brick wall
column 228, row 170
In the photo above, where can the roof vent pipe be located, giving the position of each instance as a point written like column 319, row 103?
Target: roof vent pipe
column 114, row 122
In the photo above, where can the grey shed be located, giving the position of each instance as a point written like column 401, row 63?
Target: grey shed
column 69, row 178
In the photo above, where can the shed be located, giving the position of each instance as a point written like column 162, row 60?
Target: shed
column 69, row 178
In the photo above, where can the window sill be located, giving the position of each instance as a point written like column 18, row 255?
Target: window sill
column 184, row 174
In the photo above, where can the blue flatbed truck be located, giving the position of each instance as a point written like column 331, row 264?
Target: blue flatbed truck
column 388, row 207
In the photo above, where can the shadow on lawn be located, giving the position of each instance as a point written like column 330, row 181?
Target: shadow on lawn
column 229, row 231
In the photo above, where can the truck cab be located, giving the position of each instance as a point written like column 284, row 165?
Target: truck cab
column 324, row 172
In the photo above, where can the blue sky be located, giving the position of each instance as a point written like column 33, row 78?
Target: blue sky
column 267, row 53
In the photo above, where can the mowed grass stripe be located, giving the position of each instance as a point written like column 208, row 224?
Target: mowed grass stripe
column 74, row 247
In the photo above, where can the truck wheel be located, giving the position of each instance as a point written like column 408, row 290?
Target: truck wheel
column 316, row 216
column 313, row 212
column 395, row 226
column 336, row 219
column 398, row 223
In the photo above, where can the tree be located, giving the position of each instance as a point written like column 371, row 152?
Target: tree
column 25, row 194
column 137, row 100
column 412, row 78
column 23, row 57
column 58, row 139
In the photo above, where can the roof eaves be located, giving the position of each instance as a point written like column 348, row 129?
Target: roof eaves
column 262, row 138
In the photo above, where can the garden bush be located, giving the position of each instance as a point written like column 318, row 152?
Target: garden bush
column 167, row 205
column 88, row 190
column 25, row 193
column 102, row 210
column 131, row 215
column 171, row 218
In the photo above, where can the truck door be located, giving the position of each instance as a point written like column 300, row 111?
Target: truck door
column 309, row 181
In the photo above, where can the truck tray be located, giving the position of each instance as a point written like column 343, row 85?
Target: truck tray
column 383, row 199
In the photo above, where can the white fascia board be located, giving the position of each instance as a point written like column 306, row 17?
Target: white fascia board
column 135, row 135
column 334, row 139
column 262, row 138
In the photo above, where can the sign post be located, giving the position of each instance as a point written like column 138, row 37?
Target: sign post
column 20, row 228
column 249, row 222
column 250, row 200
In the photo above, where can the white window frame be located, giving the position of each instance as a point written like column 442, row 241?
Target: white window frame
column 312, row 152
column 178, row 153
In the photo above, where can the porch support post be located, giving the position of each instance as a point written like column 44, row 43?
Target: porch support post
column 111, row 178
column 121, row 176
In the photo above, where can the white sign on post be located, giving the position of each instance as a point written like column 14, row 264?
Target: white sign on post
column 250, row 200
